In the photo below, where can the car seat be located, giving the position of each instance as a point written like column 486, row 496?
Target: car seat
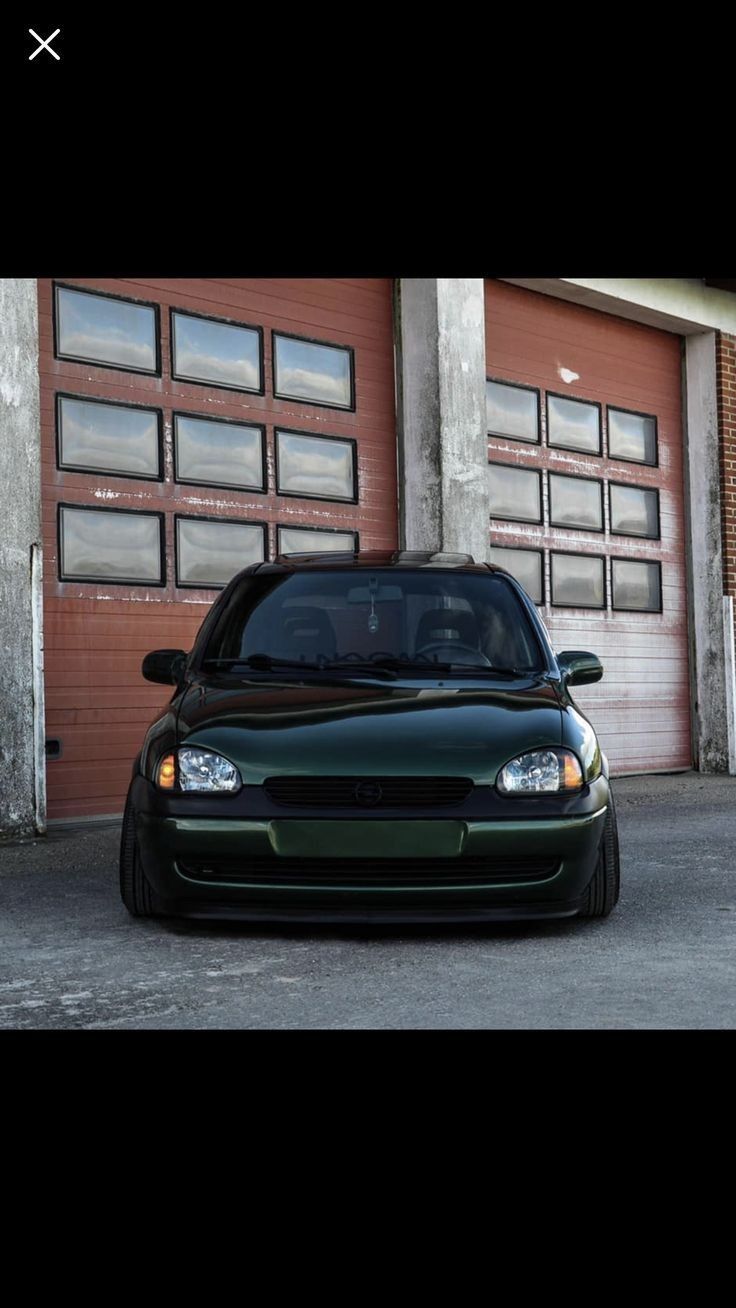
column 447, row 627
column 306, row 633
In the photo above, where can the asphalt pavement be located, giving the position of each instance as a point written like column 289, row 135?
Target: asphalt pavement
column 71, row 957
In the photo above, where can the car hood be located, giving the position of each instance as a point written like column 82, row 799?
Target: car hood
column 268, row 728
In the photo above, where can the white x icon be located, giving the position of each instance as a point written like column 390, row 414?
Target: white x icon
column 44, row 45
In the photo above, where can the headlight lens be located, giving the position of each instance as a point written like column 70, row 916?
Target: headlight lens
column 542, row 771
column 202, row 769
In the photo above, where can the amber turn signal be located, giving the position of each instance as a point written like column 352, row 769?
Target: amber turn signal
column 573, row 776
column 167, row 772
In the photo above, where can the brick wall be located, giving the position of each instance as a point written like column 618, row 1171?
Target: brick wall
column 726, row 386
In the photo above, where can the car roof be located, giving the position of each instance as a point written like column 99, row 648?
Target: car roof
column 375, row 559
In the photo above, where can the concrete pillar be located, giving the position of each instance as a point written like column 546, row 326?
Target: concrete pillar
column 22, row 775
column 708, row 653
column 441, row 408
column 728, row 640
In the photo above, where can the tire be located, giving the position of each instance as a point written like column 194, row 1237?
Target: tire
column 135, row 891
column 602, row 894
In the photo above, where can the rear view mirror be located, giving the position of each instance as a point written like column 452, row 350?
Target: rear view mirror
column 165, row 666
column 578, row 668
column 379, row 594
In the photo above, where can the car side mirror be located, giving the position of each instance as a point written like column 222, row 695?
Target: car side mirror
column 578, row 668
column 165, row 666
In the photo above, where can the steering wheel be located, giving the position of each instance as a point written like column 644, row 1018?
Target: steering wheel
column 478, row 660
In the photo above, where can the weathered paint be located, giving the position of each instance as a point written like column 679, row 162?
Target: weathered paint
column 442, row 415
column 21, row 791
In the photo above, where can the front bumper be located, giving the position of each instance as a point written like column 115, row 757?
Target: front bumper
column 207, row 859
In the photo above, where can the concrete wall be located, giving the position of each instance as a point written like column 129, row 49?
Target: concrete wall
column 441, row 409
column 21, row 706
column 728, row 640
column 708, row 653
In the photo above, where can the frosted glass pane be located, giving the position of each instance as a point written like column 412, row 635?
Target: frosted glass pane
column 106, row 331
column 634, row 512
column 309, row 465
column 514, row 493
column 221, row 353
column 631, row 436
column 512, row 411
column 102, row 545
column 108, row 437
column 573, row 424
column 218, row 453
column 636, row 585
column 304, row 370
column 210, row 553
column 292, row 540
column 575, row 503
column 525, row 565
column 577, row 579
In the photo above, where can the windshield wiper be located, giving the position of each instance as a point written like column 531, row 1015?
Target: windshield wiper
column 476, row 670
column 268, row 662
column 381, row 667
column 261, row 662
column 396, row 664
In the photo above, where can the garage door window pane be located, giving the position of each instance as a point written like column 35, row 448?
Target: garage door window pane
column 100, row 330
column 210, row 553
column 637, row 585
column 104, row 545
column 525, row 565
column 316, row 468
column 300, row 540
column 218, row 453
column 634, row 512
column 305, row 370
column 108, row 438
column 574, row 502
column 577, row 581
column 512, row 411
column 515, row 493
column 632, row 436
column 220, row 353
column 573, row 425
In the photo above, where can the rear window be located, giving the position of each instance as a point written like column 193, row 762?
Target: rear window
column 425, row 616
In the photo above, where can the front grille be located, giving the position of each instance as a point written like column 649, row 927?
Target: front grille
column 369, row 873
column 368, row 792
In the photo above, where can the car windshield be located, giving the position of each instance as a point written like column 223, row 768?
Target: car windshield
column 392, row 617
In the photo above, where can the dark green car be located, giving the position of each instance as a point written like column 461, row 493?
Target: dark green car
column 371, row 737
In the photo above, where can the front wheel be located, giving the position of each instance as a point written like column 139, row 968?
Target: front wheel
column 135, row 891
column 601, row 896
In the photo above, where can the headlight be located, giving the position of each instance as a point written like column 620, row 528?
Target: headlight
column 542, row 771
column 199, row 769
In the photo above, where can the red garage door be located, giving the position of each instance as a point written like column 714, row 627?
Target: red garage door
column 586, row 488
column 190, row 428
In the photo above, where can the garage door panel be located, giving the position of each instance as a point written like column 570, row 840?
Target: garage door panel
column 641, row 709
column 610, row 342
column 96, row 633
column 105, row 717
column 350, row 309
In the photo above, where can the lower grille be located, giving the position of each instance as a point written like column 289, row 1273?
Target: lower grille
column 368, row 792
column 370, row 873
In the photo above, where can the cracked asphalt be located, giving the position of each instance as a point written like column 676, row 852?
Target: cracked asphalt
column 72, row 958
